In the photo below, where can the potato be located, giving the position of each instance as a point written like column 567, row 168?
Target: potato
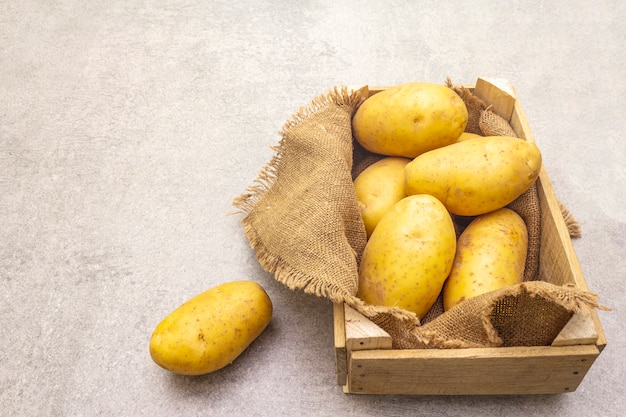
column 212, row 329
column 410, row 119
column 409, row 256
column 475, row 176
column 490, row 254
column 467, row 136
column 378, row 188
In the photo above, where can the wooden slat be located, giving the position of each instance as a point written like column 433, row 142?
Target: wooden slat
column 362, row 334
column 341, row 359
column 519, row 123
column 497, row 92
column 580, row 330
column 521, row 370
column 558, row 263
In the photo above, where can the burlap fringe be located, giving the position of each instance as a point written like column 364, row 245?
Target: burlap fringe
column 338, row 96
column 573, row 227
column 571, row 298
column 286, row 275
column 373, row 312
column 245, row 202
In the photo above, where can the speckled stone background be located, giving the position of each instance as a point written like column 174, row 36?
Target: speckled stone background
column 127, row 128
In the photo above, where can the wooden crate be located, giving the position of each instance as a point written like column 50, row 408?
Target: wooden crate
column 367, row 364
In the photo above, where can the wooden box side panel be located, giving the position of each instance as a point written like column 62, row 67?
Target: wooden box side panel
column 341, row 354
column 558, row 263
column 500, row 371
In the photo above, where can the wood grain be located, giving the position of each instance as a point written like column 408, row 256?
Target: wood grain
column 519, row 370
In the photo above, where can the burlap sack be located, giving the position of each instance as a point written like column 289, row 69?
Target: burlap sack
column 302, row 220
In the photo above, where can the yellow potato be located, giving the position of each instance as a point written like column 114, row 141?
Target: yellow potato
column 378, row 188
column 467, row 136
column 410, row 119
column 212, row 329
column 409, row 256
column 475, row 176
column 490, row 254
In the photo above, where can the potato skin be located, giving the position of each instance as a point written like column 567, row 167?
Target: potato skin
column 490, row 254
column 378, row 188
column 409, row 256
column 468, row 136
column 410, row 119
column 212, row 329
column 475, row 176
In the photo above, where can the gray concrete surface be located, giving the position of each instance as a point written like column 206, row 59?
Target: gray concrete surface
column 127, row 128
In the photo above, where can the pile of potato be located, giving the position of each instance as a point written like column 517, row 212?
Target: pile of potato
column 431, row 172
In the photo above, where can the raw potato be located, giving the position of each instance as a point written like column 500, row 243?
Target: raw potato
column 378, row 188
column 409, row 256
column 410, row 119
column 475, row 176
column 467, row 136
column 212, row 329
column 490, row 254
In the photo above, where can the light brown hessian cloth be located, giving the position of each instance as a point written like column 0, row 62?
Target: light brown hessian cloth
column 302, row 220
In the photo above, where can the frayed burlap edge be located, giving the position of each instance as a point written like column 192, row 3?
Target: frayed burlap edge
column 338, row 96
column 566, row 296
column 573, row 227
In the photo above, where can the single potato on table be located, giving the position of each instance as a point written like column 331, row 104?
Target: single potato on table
column 410, row 119
column 212, row 329
column 408, row 257
column 490, row 255
column 378, row 188
column 475, row 176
